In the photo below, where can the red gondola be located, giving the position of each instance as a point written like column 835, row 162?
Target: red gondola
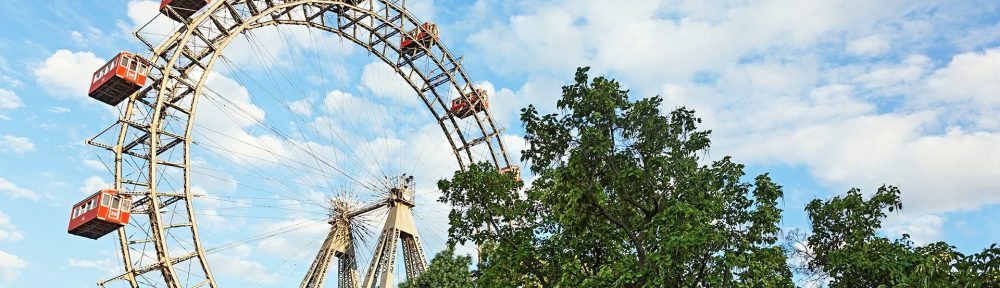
column 468, row 104
column 100, row 214
column 181, row 10
column 426, row 34
column 123, row 75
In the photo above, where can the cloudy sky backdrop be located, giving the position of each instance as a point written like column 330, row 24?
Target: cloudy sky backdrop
column 824, row 95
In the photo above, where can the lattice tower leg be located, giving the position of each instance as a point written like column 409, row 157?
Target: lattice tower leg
column 399, row 229
column 337, row 244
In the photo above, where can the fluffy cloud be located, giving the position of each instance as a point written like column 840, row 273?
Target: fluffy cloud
column 88, row 37
column 643, row 44
column 235, row 263
column 422, row 9
column 9, row 232
column 868, row 46
column 146, row 15
column 968, row 86
column 770, row 92
column 16, row 145
column 922, row 229
column 382, row 81
column 222, row 122
column 302, row 107
column 93, row 184
column 937, row 173
column 292, row 242
column 292, row 47
column 9, row 100
column 10, row 266
column 67, row 74
column 107, row 266
column 59, row 109
column 94, row 164
column 355, row 111
column 13, row 191
column 897, row 78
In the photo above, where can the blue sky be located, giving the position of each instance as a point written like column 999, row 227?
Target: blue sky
column 824, row 95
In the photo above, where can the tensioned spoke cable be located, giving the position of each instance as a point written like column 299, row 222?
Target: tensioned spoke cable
column 279, row 180
column 297, row 88
column 268, row 126
column 275, row 131
column 257, row 176
column 287, row 140
column 277, row 268
column 284, row 102
column 272, row 179
column 278, row 156
column 282, row 230
column 259, row 173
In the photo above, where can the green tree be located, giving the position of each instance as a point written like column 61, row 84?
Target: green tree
column 845, row 249
column 622, row 198
column 445, row 271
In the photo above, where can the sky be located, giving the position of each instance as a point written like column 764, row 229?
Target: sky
column 823, row 95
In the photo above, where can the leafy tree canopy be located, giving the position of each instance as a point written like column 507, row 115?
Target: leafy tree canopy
column 845, row 249
column 445, row 271
column 621, row 199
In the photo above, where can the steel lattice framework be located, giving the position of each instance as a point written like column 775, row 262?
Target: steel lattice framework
column 152, row 149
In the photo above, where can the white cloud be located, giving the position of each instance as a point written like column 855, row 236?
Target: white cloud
column 642, row 46
column 13, row 191
column 923, row 229
column 968, row 85
column 302, row 107
column 292, row 242
column 16, row 145
column 868, row 46
column 146, row 15
column 94, row 164
column 422, row 9
column 10, row 266
column 936, row 173
column 9, row 100
column 506, row 104
column 223, row 123
column 107, row 266
column 895, row 78
column 67, row 74
column 382, row 81
column 8, row 231
column 209, row 206
column 59, row 109
column 774, row 97
column 93, row 184
column 235, row 263
column 88, row 37
column 353, row 110
column 290, row 47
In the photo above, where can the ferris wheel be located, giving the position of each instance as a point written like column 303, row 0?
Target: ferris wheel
column 349, row 172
